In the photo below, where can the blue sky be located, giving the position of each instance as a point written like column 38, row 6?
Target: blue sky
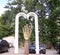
column 2, row 4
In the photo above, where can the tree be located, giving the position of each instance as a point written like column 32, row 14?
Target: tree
column 6, row 28
column 54, row 6
column 46, row 11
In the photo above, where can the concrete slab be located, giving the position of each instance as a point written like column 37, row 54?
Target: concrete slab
column 21, row 52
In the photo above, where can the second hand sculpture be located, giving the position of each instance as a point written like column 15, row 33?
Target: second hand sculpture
column 27, row 33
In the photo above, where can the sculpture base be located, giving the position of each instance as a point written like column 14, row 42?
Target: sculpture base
column 26, row 45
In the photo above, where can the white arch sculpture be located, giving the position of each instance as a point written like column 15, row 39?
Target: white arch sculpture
column 17, row 29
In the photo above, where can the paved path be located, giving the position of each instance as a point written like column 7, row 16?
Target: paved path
column 21, row 52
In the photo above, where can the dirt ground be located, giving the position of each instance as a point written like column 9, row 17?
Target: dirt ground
column 21, row 52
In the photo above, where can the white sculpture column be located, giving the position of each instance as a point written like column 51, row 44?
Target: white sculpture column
column 36, row 30
column 17, row 29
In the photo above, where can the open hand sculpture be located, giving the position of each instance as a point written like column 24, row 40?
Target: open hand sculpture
column 27, row 31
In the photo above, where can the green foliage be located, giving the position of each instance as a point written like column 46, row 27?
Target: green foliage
column 6, row 28
column 49, row 30
column 40, row 6
column 30, row 4
column 48, row 27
